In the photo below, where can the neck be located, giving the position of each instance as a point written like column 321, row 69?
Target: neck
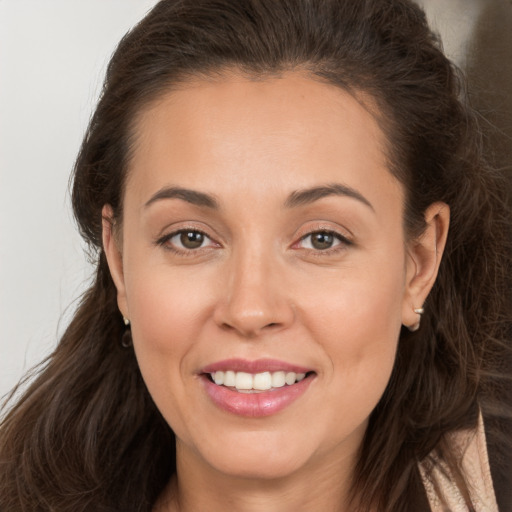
column 197, row 486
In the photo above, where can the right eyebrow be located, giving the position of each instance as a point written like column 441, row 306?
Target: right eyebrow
column 310, row 195
column 191, row 196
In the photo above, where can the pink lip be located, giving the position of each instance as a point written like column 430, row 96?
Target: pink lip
column 255, row 405
column 258, row 366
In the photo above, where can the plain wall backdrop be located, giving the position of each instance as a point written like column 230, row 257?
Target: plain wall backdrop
column 53, row 55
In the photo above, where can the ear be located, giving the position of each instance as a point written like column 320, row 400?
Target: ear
column 423, row 259
column 114, row 257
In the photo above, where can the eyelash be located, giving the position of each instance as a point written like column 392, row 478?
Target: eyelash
column 163, row 242
column 344, row 242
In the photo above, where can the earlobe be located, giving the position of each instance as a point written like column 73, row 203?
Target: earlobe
column 423, row 259
column 114, row 257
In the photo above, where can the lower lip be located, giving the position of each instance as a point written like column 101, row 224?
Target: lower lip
column 255, row 405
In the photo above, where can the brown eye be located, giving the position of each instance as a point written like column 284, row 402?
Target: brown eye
column 191, row 239
column 186, row 241
column 322, row 240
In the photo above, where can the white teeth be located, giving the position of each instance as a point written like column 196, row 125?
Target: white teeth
column 243, row 380
column 246, row 382
column 262, row 381
column 290, row 378
column 278, row 379
column 229, row 379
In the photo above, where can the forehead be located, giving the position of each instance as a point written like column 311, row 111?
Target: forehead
column 234, row 132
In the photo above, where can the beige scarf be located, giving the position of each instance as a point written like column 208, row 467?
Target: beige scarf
column 472, row 445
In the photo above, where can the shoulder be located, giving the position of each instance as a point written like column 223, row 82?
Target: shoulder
column 485, row 476
column 499, row 449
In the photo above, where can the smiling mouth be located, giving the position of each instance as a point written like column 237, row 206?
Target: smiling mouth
column 243, row 382
column 255, row 389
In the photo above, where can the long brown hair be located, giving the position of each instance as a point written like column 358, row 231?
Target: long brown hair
column 86, row 434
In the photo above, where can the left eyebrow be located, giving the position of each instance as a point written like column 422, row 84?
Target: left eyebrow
column 190, row 196
column 310, row 195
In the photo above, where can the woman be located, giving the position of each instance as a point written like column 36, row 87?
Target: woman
column 302, row 288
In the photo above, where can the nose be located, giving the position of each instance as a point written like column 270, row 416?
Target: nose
column 254, row 299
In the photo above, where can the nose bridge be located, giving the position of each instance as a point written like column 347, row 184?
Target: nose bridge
column 254, row 298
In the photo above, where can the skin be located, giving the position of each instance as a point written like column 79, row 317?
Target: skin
column 258, row 287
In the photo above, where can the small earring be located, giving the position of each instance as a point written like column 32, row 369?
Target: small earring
column 416, row 326
column 126, row 338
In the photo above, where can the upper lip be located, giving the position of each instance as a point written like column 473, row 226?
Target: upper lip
column 256, row 366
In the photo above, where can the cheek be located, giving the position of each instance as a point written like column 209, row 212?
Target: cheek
column 358, row 323
column 167, row 309
column 166, row 314
column 166, row 327
column 361, row 303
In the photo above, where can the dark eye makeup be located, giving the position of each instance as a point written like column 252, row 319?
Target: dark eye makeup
column 188, row 241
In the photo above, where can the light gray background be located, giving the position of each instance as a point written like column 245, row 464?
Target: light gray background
column 53, row 55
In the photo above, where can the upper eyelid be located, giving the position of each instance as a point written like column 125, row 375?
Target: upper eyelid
column 344, row 235
column 321, row 227
column 326, row 231
column 342, row 238
column 171, row 230
column 301, row 237
column 172, row 234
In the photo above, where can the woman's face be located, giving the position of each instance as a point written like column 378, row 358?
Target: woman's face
column 262, row 240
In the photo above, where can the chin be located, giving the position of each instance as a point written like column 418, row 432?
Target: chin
column 258, row 470
column 262, row 459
